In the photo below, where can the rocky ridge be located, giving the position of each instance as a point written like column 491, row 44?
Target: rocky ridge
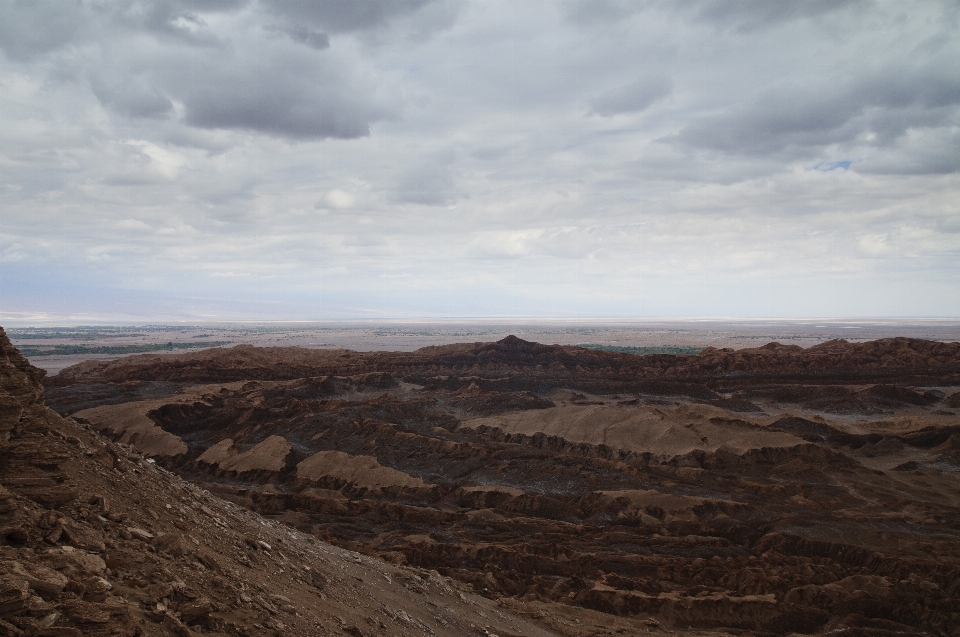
column 542, row 363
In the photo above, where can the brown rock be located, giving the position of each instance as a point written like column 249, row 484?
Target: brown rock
column 45, row 581
column 140, row 534
column 100, row 502
column 96, row 589
column 48, row 621
column 82, row 537
column 207, row 559
column 36, row 607
column 9, row 630
column 196, row 611
column 11, row 410
column 171, row 543
column 157, row 592
column 14, row 593
column 176, row 626
column 60, row 631
column 318, row 580
column 54, row 535
column 52, row 495
column 83, row 561
column 49, row 519
column 8, row 501
column 86, row 613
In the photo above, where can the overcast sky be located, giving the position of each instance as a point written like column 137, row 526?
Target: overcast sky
column 317, row 159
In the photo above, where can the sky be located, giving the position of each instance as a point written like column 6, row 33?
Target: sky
column 335, row 159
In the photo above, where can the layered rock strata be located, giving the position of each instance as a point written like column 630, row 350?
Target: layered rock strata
column 772, row 490
column 96, row 540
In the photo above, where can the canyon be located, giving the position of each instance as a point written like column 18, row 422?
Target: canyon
column 768, row 490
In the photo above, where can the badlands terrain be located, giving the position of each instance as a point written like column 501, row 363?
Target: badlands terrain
column 502, row 487
column 96, row 540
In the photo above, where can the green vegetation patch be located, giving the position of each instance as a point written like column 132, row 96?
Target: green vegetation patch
column 643, row 351
column 66, row 350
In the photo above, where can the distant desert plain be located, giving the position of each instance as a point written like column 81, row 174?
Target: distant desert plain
column 53, row 348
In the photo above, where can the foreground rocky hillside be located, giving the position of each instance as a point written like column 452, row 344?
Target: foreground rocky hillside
column 773, row 490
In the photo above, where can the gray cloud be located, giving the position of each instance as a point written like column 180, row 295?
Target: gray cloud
column 428, row 183
column 297, row 98
column 288, row 99
column 740, row 15
column 30, row 28
column 600, row 11
column 306, row 35
column 876, row 110
column 633, row 97
column 131, row 96
column 179, row 20
column 747, row 15
column 935, row 151
column 343, row 16
column 143, row 57
column 172, row 148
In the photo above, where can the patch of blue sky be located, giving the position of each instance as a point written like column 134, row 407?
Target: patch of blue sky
column 827, row 166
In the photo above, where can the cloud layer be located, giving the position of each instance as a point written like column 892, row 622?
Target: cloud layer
column 308, row 159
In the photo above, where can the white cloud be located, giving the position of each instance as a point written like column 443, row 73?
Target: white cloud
column 337, row 199
column 134, row 224
column 634, row 97
column 162, row 160
column 504, row 244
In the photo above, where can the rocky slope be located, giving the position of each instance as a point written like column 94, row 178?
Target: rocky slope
column 96, row 540
column 768, row 491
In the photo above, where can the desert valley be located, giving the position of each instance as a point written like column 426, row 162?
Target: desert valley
column 503, row 487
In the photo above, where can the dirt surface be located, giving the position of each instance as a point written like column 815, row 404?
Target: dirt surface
column 768, row 490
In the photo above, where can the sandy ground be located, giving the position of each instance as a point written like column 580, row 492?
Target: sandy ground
column 408, row 336
column 662, row 430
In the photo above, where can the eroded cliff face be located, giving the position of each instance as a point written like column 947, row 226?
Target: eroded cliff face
column 773, row 490
column 97, row 540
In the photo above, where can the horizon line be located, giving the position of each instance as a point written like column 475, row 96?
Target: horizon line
column 75, row 321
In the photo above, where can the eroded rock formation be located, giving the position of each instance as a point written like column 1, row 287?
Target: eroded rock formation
column 773, row 490
column 96, row 540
